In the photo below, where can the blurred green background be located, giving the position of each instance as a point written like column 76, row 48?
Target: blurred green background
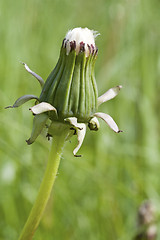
column 95, row 197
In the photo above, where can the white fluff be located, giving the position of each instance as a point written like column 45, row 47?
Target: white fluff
column 84, row 35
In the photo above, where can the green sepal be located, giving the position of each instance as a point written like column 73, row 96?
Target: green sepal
column 20, row 101
column 71, row 87
column 38, row 124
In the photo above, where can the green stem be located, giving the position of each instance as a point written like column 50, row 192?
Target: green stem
column 45, row 188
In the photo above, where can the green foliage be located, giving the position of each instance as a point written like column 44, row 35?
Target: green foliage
column 96, row 197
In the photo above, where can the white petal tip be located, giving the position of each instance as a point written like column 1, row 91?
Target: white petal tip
column 109, row 120
column 111, row 93
column 73, row 122
column 41, row 108
column 80, row 136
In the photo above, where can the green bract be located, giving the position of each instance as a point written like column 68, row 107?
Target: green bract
column 71, row 86
column 69, row 97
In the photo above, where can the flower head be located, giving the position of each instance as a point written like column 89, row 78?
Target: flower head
column 69, row 97
column 71, row 87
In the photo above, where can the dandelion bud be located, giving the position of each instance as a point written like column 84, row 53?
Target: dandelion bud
column 69, row 97
column 71, row 87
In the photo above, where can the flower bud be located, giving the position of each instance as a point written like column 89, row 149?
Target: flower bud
column 71, row 87
column 69, row 97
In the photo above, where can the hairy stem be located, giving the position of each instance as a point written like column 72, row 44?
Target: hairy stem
column 45, row 188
